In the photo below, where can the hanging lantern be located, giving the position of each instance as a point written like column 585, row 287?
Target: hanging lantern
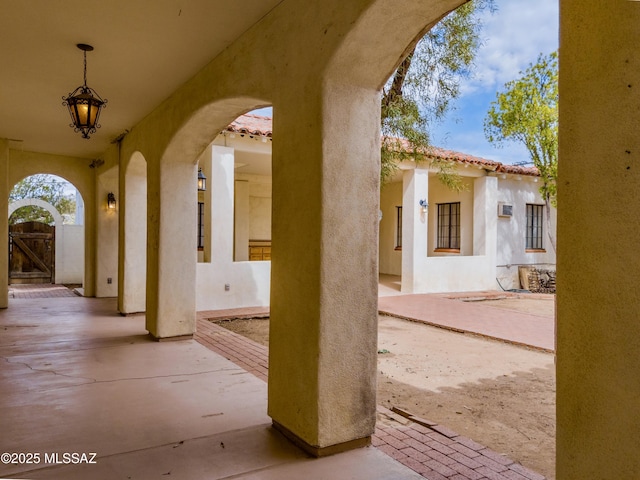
column 111, row 201
column 202, row 181
column 84, row 103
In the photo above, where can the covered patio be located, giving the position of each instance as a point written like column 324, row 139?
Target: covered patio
column 175, row 76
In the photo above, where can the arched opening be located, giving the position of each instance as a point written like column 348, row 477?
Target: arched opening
column 172, row 298
column 470, row 265
column 38, row 254
column 234, row 217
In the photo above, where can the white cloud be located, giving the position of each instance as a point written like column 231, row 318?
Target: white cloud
column 513, row 36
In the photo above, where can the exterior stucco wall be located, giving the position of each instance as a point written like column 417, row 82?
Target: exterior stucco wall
column 441, row 272
column 511, row 251
column 259, row 211
column 249, row 285
column 107, row 178
column 439, row 193
column 72, row 255
column 390, row 257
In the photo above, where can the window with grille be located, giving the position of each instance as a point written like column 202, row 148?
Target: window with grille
column 449, row 226
column 200, row 225
column 534, row 226
column 398, row 228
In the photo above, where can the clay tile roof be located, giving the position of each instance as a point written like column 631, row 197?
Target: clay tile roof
column 252, row 125
column 489, row 164
column 258, row 125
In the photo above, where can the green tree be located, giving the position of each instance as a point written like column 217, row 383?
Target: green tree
column 44, row 187
column 423, row 87
column 526, row 111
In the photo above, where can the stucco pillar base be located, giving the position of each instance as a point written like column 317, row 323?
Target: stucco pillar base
column 316, row 451
column 171, row 339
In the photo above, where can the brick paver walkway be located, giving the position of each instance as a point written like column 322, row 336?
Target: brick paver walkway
column 432, row 450
column 528, row 329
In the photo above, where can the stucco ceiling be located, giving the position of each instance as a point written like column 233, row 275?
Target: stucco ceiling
column 144, row 50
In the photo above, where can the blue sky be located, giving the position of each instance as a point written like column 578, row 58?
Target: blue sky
column 513, row 36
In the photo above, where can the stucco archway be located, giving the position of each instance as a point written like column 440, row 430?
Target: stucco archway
column 76, row 171
column 172, row 190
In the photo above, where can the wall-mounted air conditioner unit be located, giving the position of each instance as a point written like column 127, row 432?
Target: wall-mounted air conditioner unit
column 505, row 210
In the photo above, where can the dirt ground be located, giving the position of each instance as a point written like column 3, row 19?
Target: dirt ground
column 500, row 395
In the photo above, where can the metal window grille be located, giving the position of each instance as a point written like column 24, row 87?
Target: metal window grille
column 200, row 224
column 534, row 226
column 449, row 225
column 398, row 227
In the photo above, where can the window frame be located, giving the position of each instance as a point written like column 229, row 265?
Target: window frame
column 398, row 228
column 534, row 230
column 200, row 226
column 448, row 234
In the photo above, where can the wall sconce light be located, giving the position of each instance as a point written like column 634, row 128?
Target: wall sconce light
column 84, row 103
column 424, row 206
column 111, row 201
column 202, row 181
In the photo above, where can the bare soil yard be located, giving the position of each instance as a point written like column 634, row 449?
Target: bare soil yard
column 500, row 395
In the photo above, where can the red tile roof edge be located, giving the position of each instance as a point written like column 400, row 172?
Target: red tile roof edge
column 258, row 125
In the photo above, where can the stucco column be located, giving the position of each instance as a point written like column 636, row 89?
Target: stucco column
column 133, row 236
column 415, row 187
column 485, row 217
column 598, row 300
column 220, row 221
column 241, row 250
column 171, row 248
column 322, row 358
column 4, row 221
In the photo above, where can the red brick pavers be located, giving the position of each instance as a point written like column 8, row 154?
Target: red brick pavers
column 536, row 331
column 245, row 353
column 39, row 290
column 432, row 450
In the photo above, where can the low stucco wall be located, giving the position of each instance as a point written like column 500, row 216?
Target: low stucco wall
column 71, row 270
column 455, row 274
column 249, row 285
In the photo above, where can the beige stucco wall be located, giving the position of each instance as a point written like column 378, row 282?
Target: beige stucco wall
column 72, row 254
column 260, row 211
column 107, row 181
column 439, row 193
column 518, row 192
column 390, row 257
column 598, row 332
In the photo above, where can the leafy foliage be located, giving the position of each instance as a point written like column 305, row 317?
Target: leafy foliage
column 527, row 112
column 44, row 187
column 423, row 87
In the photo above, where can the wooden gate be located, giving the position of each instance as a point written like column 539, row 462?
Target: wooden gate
column 31, row 253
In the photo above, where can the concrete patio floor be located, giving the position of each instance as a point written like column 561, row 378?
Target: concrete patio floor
column 77, row 377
